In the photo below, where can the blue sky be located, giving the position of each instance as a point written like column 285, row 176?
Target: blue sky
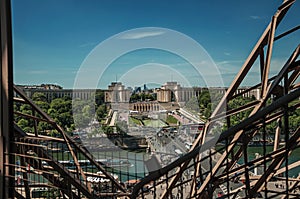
column 53, row 39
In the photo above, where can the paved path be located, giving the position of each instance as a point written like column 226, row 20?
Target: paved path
column 113, row 119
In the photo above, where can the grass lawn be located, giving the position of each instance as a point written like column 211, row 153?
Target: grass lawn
column 154, row 123
column 171, row 120
column 134, row 122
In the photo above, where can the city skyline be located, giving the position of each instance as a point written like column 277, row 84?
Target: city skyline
column 51, row 42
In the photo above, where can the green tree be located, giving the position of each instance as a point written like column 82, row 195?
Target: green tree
column 61, row 111
column 40, row 100
column 43, row 105
column 101, row 112
column 37, row 96
column 107, row 130
column 22, row 123
column 294, row 120
column 204, row 100
column 99, row 98
column 235, row 103
column 26, row 109
column 142, row 97
column 25, row 125
column 134, row 97
column 61, row 105
column 83, row 113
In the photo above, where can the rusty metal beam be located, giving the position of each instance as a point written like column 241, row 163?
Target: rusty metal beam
column 69, row 141
column 239, row 131
column 258, row 161
column 277, row 135
column 269, row 31
column 58, row 128
column 266, row 68
column 264, row 96
column 235, row 111
column 207, row 145
column 225, row 155
column 57, row 166
column 252, row 57
column 6, row 104
column 33, row 117
column 200, row 139
column 276, row 163
column 242, row 132
column 287, row 33
column 293, row 77
column 25, row 176
column 18, row 195
column 257, row 116
column 284, row 70
column 271, row 112
column 293, row 186
column 291, row 166
column 262, row 62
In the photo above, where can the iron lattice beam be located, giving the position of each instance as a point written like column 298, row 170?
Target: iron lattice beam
column 6, row 104
column 263, row 113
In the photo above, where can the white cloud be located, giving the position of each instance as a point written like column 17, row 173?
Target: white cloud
column 230, row 62
column 188, row 64
column 140, row 35
column 255, row 17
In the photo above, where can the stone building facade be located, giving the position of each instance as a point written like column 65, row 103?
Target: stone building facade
column 117, row 93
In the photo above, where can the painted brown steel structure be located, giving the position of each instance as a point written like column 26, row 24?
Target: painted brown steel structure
column 25, row 142
column 6, row 109
column 225, row 171
column 281, row 90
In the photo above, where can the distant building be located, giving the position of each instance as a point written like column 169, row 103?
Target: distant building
column 173, row 92
column 145, row 106
column 117, row 93
column 246, row 93
column 54, row 91
column 42, row 87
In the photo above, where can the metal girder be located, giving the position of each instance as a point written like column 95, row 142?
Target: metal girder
column 275, row 165
column 57, row 166
column 252, row 57
column 25, row 176
column 261, row 115
column 235, row 111
column 265, row 110
column 6, row 104
column 277, row 136
column 69, row 177
column 259, row 161
column 200, row 139
column 284, row 70
column 266, row 89
column 207, row 145
column 47, row 118
column 68, row 140
column 266, row 67
column 295, row 74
